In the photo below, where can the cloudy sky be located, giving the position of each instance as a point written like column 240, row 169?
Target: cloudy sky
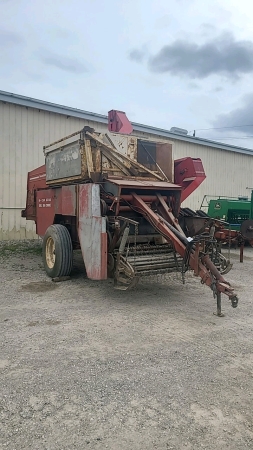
column 184, row 63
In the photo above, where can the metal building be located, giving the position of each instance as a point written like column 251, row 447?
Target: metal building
column 27, row 124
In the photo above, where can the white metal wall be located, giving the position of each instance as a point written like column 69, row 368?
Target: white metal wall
column 24, row 131
column 227, row 173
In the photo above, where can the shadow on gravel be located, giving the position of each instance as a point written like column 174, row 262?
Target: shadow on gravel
column 160, row 289
column 34, row 323
column 38, row 286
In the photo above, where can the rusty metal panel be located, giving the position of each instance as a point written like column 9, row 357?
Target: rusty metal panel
column 64, row 163
column 92, row 232
column 146, row 154
column 68, row 200
column 164, row 159
column 120, row 142
column 156, row 156
column 132, row 148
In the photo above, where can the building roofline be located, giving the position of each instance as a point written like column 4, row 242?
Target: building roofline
column 51, row 107
column 191, row 139
column 86, row 115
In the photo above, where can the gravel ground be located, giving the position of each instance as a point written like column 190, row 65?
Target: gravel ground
column 83, row 366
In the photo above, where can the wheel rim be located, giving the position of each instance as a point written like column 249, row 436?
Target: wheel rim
column 50, row 253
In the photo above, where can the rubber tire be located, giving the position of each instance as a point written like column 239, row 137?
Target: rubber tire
column 63, row 251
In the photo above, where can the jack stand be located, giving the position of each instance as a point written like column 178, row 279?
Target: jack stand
column 241, row 252
column 218, row 313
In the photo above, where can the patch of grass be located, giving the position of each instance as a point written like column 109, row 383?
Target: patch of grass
column 10, row 248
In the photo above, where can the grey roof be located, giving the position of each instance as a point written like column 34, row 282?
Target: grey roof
column 79, row 113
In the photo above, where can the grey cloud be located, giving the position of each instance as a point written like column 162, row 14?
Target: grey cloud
column 207, row 30
column 193, row 85
column 238, row 118
column 223, row 56
column 218, row 89
column 64, row 63
column 137, row 55
column 10, row 38
column 61, row 33
column 208, row 26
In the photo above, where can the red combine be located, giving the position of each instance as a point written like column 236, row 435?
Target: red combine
column 117, row 197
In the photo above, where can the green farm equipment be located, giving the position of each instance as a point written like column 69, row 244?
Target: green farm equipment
column 234, row 211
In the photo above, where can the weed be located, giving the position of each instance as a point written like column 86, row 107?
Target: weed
column 26, row 247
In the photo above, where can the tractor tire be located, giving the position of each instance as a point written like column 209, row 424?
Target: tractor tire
column 57, row 251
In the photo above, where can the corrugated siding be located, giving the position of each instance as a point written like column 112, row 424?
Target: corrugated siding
column 227, row 173
column 24, row 131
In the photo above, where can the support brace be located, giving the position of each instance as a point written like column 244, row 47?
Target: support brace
column 202, row 265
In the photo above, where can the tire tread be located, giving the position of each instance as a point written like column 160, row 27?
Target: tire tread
column 64, row 251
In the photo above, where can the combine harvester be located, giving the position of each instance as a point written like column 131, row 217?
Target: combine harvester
column 117, row 197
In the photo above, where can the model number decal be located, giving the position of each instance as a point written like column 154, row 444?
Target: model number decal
column 45, row 202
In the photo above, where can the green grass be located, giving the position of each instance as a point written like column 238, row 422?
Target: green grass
column 19, row 248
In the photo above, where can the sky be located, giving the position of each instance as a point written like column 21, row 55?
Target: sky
column 166, row 63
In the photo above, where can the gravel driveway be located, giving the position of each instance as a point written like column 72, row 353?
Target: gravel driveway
column 83, row 366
